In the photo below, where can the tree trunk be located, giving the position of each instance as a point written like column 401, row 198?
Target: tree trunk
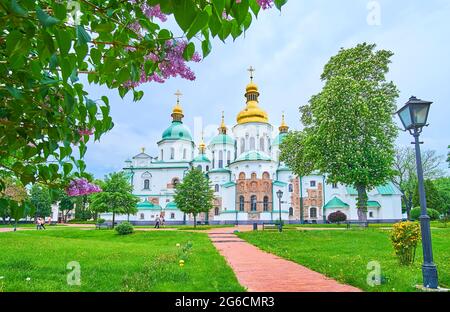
column 195, row 220
column 361, row 203
column 128, row 218
column 114, row 218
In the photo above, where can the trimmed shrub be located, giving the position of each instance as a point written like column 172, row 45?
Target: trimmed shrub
column 124, row 228
column 432, row 213
column 404, row 237
column 336, row 217
column 100, row 221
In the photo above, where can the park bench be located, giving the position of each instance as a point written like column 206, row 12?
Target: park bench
column 103, row 225
column 269, row 226
column 364, row 223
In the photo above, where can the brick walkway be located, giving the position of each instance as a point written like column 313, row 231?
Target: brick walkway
column 261, row 271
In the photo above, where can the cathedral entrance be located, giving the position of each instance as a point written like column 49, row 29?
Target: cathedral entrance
column 254, row 195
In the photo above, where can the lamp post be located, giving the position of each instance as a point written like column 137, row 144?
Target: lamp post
column 279, row 195
column 414, row 115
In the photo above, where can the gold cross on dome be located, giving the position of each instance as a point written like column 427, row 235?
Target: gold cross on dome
column 178, row 94
column 251, row 71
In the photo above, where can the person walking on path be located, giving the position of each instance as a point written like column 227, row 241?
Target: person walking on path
column 157, row 223
column 38, row 224
column 42, row 222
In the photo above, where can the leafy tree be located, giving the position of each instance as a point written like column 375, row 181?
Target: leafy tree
column 405, row 177
column 349, row 129
column 40, row 197
column 116, row 196
column 443, row 187
column 194, row 195
column 432, row 213
column 46, row 45
column 66, row 205
column 433, row 196
column 337, row 217
column 14, row 199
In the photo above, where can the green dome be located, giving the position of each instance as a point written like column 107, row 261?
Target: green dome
column 279, row 139
column 177, row 131
column 146, row 205
column 253, row 155
column 222, row 139
column 201, row 158
column 171, row 206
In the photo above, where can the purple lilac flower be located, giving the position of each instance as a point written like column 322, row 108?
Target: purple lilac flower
column 79, row 187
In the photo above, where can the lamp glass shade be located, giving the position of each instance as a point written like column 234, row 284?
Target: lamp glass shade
column 405, row 117
column 419, row 113
column 280, row 193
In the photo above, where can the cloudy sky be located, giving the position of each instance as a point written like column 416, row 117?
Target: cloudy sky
column 289, row 50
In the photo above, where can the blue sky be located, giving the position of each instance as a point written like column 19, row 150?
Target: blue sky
column 289, row 50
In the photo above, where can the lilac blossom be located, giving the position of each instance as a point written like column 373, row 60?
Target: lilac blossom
column 79, row 187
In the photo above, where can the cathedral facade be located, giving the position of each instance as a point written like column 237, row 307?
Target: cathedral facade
column 243, row 166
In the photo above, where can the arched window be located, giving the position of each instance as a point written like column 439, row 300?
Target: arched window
column 199, row 167
column 146, row 184
column 213, row 159
column 253, row 176
column 266, row 203
column 313, row 213
column 253, row 203
column 291, row 188
column 216, row 188
column 252, row 143
column 207, row 168
column 216, row 211
column 162, row 155
column 242, row 145
column 241, row 203
column 172, row 215
column 261, row 144
column 228, row 157
column 266, row 175
column 172, row 153
column 175, row 181
column 291, row 211
column 242, row 176
column 142, row 216
column 184, row 153
column 220, row 159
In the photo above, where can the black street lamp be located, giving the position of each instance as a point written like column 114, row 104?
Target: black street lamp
column 414, row 117
column 279, row 195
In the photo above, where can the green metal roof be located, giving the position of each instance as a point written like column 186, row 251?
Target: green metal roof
column 388, row 189
column 373, row 204
column 279, row 138
column 171, row 206
column 219, row 170
column 335, row 203
column 279, row 183
column 253, row 156
column 201, row 158
column 146, row 205
column 222, row 139
column 228, row 184
column 177, row 131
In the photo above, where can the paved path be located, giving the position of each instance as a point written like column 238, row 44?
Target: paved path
column 261, row 271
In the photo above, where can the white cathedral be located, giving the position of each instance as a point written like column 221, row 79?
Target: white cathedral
column 242, row 164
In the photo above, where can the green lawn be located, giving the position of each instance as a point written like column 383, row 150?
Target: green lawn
column 344, row 255
column 143, row 261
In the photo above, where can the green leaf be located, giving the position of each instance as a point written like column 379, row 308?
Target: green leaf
column 185, row 13
column 189, row 51
column 82, row 36
column 215, row 24
column 17, row 9
column 239, row 11
column 64, row 41
column 219, row 6
column 200, row 21
column 206, row 47
column 45, row 19
column 254, row 6
column 165, row 35
column 280, row 3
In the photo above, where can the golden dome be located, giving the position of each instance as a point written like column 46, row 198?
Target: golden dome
column 283, row 127
column 223, row 128
column 252, row 112
column 177, row 111
column 202, row 146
